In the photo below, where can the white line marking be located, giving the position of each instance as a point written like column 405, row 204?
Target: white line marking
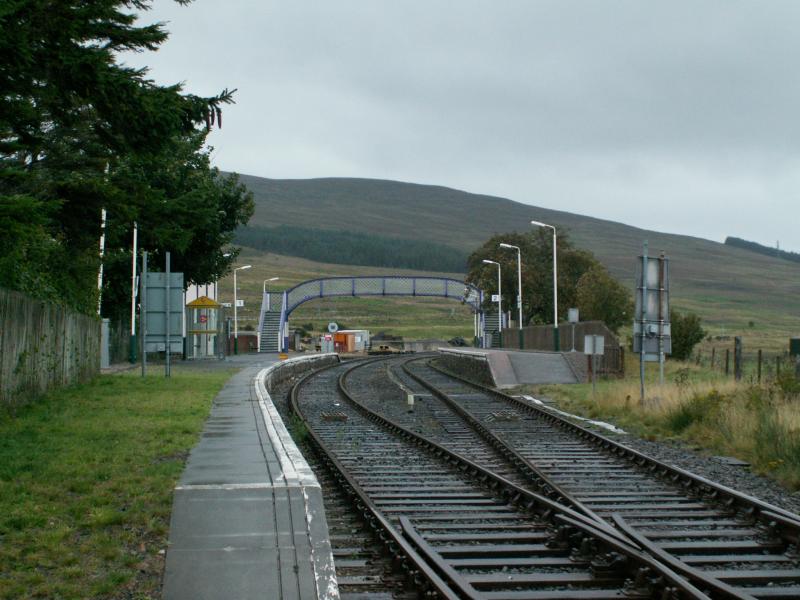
column 602, row 424
column 242, row 486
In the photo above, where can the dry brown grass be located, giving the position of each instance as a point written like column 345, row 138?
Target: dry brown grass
column 756, row 423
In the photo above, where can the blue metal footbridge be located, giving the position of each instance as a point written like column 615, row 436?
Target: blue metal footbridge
column 276, row 307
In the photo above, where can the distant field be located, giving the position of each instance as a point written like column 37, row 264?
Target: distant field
column 413, row 318
column 420, row 318
column 728, row 286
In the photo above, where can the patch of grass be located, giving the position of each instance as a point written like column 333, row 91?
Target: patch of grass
column 756, row 423
column 298, row 430
column 696, row 409
column 86, row 479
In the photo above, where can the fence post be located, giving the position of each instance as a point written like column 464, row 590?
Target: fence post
column 737, row 358
column 760, row 358
column 727, row 361
column 713, row 356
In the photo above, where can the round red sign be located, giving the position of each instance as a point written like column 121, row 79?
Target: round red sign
column 203, row 318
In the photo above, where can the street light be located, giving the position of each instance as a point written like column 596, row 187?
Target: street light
column 499, row 295
column 556, row 338
column 268, row 280
column 235, row 311
column 519, row 286
column 216, row 294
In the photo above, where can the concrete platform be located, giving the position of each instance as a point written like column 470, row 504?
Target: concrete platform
column 510, row 368
column 248, row 519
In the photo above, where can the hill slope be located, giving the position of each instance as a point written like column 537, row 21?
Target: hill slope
column 727, row 285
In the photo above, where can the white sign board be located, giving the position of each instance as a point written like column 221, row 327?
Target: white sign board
column 593, row 344
column 573, row 316
column 239, row 303
column 495, row 297
column 226, row 304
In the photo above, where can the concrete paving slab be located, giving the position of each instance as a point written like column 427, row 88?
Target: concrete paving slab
column 248, row 519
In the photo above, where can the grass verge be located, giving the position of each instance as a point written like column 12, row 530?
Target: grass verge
column 86, row 479
column 756, row 423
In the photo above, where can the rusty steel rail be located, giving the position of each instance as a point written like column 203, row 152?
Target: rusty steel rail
column 728, row 543
column 457, row 526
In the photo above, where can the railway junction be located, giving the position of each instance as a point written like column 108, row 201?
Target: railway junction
column 414, row 476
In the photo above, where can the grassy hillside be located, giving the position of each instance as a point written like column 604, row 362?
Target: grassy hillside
column 730, row 287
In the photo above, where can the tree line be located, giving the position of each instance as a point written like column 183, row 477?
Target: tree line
column 81, row 132
column 761, row 249
column 351, row 248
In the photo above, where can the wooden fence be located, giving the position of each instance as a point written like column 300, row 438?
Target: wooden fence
column 43, row 346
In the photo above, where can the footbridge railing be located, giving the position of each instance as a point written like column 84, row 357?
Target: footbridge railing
column 366, row 286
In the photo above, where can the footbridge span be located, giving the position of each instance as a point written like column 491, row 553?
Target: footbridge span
column 276, row 307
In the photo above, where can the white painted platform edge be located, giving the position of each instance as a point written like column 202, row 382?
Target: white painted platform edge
column 297, row 472
column 472, row 353
column 602, row 424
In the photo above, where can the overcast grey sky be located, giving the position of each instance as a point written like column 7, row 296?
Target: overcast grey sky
column 675, row 116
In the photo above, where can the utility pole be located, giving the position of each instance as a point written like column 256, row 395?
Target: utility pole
column 519, row 288
column 642, row 314
column 102, row 255
column 132, row 353
column 143, row 314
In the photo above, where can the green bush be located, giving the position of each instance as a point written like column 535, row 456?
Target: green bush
column 697, row 409
column 686, row 333
column 787, row 384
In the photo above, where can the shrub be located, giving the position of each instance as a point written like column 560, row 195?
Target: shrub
column 787, row 384
column 699, row 408
column 686, row 333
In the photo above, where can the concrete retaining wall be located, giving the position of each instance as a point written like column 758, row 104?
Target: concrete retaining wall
column 297, row 365
column 470, row 365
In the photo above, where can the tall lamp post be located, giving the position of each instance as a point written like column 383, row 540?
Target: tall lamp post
column 519, row 286
column 556, row 337
column 235, row 310
column 499, row 295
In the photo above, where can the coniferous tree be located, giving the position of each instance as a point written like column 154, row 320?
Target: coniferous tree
column 74, row 122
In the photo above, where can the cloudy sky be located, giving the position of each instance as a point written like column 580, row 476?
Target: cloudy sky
column 675, row 116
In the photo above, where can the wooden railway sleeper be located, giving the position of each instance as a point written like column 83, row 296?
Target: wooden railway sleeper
column 569, row 518
column 790, row 523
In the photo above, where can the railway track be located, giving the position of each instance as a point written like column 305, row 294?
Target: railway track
column 459, row 530
column 727, row 543
column 363, row 570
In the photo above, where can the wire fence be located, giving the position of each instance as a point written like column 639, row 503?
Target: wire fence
column 753, row 366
